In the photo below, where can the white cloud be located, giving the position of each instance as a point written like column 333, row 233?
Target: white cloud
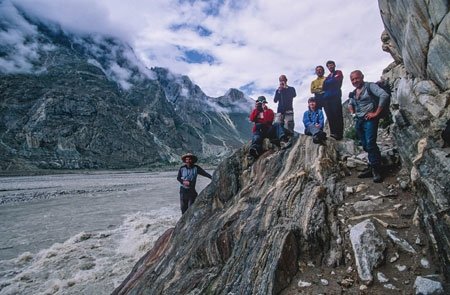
column 252, row 41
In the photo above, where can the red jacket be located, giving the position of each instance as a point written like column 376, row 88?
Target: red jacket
column 266, row 117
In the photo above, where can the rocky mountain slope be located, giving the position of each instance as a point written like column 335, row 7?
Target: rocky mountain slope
column 75, row 101
column 297, row 221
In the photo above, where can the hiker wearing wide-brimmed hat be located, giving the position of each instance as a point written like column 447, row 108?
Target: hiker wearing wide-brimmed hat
column 187, row 177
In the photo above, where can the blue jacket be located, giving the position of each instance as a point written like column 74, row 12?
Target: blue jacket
column 313, row 117
column 332, row 85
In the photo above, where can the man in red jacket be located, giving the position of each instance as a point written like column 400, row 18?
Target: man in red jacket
column 263, row 117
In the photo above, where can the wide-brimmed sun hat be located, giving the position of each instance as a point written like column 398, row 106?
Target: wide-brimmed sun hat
column 192, row 156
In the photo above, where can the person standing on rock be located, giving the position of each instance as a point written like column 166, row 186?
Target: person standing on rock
column 317, row 86
column 284, row 96
column 332, row 99
column 366, row 103
column 187, row 177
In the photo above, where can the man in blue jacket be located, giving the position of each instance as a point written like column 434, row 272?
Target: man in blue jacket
column 187, row 177
column 366, row 103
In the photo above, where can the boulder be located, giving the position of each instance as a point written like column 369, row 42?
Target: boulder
column 368, row 247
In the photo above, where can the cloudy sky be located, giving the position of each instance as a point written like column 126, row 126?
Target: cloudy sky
column 222, row 44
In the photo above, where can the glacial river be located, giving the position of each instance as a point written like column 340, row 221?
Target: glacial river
column 81, row 233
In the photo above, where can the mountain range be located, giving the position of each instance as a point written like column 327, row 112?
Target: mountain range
column 71, row 101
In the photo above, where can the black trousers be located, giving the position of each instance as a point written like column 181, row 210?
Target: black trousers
column 187, row 198
column 333, row 110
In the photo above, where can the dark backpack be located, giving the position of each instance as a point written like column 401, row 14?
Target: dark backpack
column 385, row 112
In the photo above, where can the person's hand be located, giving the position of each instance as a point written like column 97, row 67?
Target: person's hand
column 186, row 182
column 259, row 107
column 317, row 125
column 370, row 116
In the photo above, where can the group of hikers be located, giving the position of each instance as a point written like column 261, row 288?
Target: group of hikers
column 366, row 105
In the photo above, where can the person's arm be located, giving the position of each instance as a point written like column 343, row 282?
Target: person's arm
column 316, row 87
column 277, row 96
column 179, row 177
column 321, row 119
column 313, row 87
column 306, row 121
column 338, row 76
column 351, row 107
column 202, row 172
column 254, row 115
column 333, row 81
column 383, row 99
column 380, row 93
column 294, row 93
column 268, row 116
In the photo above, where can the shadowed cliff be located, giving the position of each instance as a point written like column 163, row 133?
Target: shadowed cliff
column 417, row 37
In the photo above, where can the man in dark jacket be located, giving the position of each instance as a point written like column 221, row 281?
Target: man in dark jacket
column 284, row 97
column 366, row 103
column 187, row 177
column 332, row 101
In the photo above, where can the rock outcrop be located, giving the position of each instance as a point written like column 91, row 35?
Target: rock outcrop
column 85, row 101
column 418, row 38
column 249, row 228
column 287, row 224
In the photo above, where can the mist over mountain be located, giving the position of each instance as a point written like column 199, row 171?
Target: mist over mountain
column 86, row 101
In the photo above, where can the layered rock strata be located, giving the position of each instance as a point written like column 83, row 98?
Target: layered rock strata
column 417, row 36
column 249, row 228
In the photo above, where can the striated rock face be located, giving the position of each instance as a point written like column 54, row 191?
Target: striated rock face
column 249, row 228
column 417, row 36
column 70, row 101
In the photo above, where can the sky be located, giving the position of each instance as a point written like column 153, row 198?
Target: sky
column 243, row 44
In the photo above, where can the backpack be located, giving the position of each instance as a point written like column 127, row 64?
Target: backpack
column 383, row 84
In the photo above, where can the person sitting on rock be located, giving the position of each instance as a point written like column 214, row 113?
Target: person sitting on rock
column 187, row 177
column 366, row 103
column 263, row 117
column 313, row 120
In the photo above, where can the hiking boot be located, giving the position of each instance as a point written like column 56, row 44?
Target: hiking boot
column 365, row 173
column 335, row 136
column 284, row 145
column 376, row 175
column 253, row 152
